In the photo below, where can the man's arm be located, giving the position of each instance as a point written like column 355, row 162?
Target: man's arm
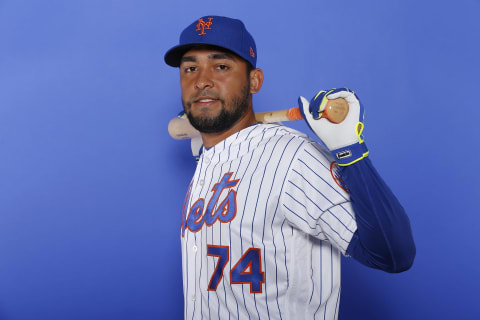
column 383, row 239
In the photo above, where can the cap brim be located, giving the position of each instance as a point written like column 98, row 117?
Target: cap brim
column 174, row 56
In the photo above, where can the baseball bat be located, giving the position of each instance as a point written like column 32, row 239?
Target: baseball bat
column 335, row 111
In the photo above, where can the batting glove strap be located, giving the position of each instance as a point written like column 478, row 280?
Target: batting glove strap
column 350, row 154
column 182, row 115
column 319, row 102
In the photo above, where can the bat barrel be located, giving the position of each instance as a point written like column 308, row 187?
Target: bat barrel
column 180, row 129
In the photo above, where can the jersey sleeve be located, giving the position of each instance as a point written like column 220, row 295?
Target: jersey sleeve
column 314, row 201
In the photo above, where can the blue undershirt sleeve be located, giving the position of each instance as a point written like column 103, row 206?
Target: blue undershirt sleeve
column 383, row 239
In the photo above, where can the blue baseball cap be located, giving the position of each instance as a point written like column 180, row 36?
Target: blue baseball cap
column 218, row 31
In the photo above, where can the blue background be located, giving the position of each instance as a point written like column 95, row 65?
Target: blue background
column 91, row 185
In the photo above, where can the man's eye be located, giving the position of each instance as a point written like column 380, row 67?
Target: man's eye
column 222, row 67
column 190, row 69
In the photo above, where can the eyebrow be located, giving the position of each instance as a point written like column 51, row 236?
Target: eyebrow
column 213, row 56
column 222, row 55
column 188, row 59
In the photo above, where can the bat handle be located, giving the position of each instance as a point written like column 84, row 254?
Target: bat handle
column 336, row 111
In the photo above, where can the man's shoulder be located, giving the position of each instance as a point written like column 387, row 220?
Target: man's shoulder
column 290, row 139
column 278, row 130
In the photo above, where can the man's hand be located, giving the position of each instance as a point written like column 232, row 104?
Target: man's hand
column 344, row 139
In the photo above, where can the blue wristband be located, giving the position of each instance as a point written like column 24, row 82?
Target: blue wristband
column 350, row 154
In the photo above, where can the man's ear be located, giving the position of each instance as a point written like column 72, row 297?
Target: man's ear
column 256, row 80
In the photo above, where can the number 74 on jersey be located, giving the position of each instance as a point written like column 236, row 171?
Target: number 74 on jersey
column 247, row 270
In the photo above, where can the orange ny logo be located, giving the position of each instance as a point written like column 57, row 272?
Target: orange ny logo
column 202, row 25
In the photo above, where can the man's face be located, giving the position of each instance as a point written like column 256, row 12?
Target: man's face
column 215, row 89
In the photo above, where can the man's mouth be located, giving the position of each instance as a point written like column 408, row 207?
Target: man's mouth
column 205, row 100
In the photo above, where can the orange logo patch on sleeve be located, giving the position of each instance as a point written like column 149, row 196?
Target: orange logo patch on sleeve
column 336, row 177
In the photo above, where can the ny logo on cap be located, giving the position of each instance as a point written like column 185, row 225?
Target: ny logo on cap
column 202, row 25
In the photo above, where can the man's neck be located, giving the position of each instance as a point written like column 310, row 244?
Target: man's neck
column 211, row 139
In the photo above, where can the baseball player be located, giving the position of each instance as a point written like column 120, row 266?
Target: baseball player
column 269, row 211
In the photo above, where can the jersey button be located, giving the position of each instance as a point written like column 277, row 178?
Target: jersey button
column 195, row 248
column 206, row 160
column 193, row 298
column 201, row 182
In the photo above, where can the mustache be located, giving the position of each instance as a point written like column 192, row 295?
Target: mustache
column 204, row 93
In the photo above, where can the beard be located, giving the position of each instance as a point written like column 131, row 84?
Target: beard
column 231, row 111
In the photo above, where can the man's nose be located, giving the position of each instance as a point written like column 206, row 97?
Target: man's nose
column 204, row 80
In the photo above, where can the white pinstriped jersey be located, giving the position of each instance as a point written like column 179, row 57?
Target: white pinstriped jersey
column 263, row 227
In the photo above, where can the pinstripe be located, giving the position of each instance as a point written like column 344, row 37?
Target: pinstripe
column 315, row 204
column 311, row 274
column 321, row 218
column 317, row 160
column 331, row 213
column 195, row 303
column 186, row 206
column 186, row 243
column 243, row 213
column 326, row 182
column 339, row 220
column 256, row 204
column 206, row 241
column 309, row 183
column 241, row 242
column 295, row 200
column 346, row 211
column 335, row 231
column 331, row 281
column 322, row 164
column 299, row 217
column 321, row 284
column 285, row 250
column 230, row 260
column 205, row 233
column 187, row 235
column 260, row 187
column 185, row 296
column 241, row 247
column 213, row 228
column 230, row 231
column 308, row 198
column 241, row 238
column 220, row 242
column 230, row 238
column 336, row 304
column 254, row 211
column 274, row 215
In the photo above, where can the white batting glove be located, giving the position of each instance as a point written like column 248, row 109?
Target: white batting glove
column 344, row 139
